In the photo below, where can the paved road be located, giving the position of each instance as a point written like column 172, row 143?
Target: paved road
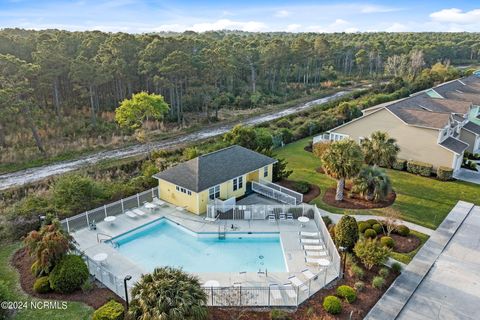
column 22, row 177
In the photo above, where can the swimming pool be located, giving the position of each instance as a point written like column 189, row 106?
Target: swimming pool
column 164, row 243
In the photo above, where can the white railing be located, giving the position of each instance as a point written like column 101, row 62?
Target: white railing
column 321, row 138
column 298, row 196
column 273, row 193
column 258, row 211
column 327, row 240
column 83, row 220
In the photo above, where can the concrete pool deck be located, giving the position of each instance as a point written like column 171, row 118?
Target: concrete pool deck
column 91, row 242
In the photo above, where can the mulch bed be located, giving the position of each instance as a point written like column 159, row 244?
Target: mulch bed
column 354, row 202
column 307, row 197
column 308, row 148
column 312, row 308
column 320, row 170
column 95, row 298
column 405, row 244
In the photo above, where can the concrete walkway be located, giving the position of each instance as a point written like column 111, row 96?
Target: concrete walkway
column 468, row 175
column 360, row 217
column 442, row 280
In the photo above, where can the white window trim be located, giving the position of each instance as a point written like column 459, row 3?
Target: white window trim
column 265, row 171
column 237, row 183
column 214, row 192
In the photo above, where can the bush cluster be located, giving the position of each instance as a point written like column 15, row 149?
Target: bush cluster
column 421, row 168
column 378, row 228
column 378, row 282
column 69, row 274
column 387, row 241
column 301, row 187
column 348, row 293
column 111, row 310
column 400, row 164
column 402, row 230
column 362, row 226
column 277, row 314
column 332, row 305
column 42, row 285
column 370, row 233
column 444, row 173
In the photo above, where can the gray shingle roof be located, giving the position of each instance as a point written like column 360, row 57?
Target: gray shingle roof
column 472, row 127
column 215, row 168
column 455, row 86
column 454, row 145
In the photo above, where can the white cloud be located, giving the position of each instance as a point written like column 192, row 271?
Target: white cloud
column 351, row 30
column 458, row 16
column 293, row 27
column 222, row 24
column 397, row 27
column 282, row 13
column 376, row 9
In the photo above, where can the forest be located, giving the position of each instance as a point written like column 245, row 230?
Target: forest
column 59, row 89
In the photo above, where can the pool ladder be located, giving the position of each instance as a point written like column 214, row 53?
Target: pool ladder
column 222, row 234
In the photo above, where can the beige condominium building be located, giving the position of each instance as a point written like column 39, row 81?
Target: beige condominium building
column 435, row 126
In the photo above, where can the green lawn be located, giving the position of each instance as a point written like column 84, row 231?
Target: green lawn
column 407, row 257
column 74, row 310
column 421, row 200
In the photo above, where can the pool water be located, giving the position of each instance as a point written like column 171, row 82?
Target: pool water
column 164, row 243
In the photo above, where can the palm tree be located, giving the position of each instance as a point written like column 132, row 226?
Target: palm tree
column 342, row 160
column 372, row 183
column 380, row 149
column 168, row 294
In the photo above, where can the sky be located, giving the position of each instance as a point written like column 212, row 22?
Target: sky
column 143, row 16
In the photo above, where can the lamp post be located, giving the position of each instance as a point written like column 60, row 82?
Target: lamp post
column 344, row 251
column 127, row 278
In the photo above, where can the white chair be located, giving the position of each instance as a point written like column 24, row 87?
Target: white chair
column 313, row 248
column 271, row 218
column 309, row 275
column 297, row 283
column 282, row 217
column 310, row 241
column 289, row 217
column 316, row 261
column 157, row 201
column 130, row 214
column 309, row 234
column 316, row 253
column 138, row 212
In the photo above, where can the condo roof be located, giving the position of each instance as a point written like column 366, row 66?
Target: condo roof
column 454, row 145
column 215, row 168
column 472, row 127
column 422, row 118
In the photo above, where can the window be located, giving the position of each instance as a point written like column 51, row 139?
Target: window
column 265, row 171
column 238, row 183
column 183, row 190
column 214, row 192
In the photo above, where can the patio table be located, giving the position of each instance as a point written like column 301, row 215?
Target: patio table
column 150, row 206
column 110, row 219
column 303, row 220
column 100, row 257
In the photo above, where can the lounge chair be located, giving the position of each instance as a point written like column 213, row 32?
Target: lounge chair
column 297, row 283
column 310, row 241
column 157, row 201
column 316, row 253
column 313, row 248
column 271, row 218
column 309, row 234
column 130, row 214
column 289, row 217
column 282, row 217
column 138, row 212
column 275, row 292
column 316, row 261
column 290, row 291
column 309, row 275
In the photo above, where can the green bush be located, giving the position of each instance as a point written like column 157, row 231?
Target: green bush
column 371, row 252
column 327, row 220
column 112, row 310
column 370, row 233
column 421, row 168
column 277, row 314
column 348, row 293
column 301, row 187
column 332, row 305
column 363, row 225
column 378, row 228
column 378, row 282
column 35, row 269
column 359, row 286
column 396, row 267
column 444, row 173
column 69, row 274
column 400, row 164
column 387, row 241
column 87, row 286
column 41, row 285
column 357, row 271
column 403, row 230
column 383, row 272
column 372, row 222
column 346, row 232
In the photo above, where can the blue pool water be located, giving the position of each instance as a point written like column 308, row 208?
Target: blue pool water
column 164, row 243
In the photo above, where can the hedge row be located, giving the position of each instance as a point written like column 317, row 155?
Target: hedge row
column 424, row 169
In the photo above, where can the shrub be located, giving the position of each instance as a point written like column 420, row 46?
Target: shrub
column 357, row 271
column 327, row 220
column 35, row 269
column 363, row 225
column 444, row 173
column 372, row 222
column 378, row 228
column 69, row 274
column 346, row 232
column 421, row 168
column 112, row 310
column 378, row 282
column 359, row 286
column 383, row 272
column 277, row 314
column 348, row 293
column 399, row 164
column 370, row 233
column 320, row 147
column 332, row 305
column 41, row 285
column 301, row 187
column 403, row 230
column 87, row 286
column 387, row 241
column 396, row 267
column 371, row 252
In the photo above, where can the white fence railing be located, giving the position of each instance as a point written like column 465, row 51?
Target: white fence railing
column 321, row 138
column 258, row 211
column 298, row 196
column 273, row 193
column 83, row 220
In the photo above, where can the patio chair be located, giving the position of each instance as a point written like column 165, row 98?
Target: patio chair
column 309, row 275
column 275, row 292
column 316, row 261
column 313, row 248
column 282, row 217
column 297, row 283
column 130, row 214
column 316, row 253
column 310, row 241
column 309, row 234
column 157, row 201
column 271, row 218
column 139, row 212
column 289, row 217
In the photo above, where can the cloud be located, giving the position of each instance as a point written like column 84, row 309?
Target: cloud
column 454, row 15
column 377, row 9
column 282, row 13
column 293, row 27
column 397, row 27
column 222, row 24
column 339, row 25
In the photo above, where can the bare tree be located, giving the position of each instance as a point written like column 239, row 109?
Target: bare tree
column 416, row 62
column 392, row 217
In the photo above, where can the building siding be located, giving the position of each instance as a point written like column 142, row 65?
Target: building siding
column 169, row 193
column 415, row 143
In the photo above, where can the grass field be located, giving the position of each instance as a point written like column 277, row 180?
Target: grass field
column 73, row 310
column 420, row 200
